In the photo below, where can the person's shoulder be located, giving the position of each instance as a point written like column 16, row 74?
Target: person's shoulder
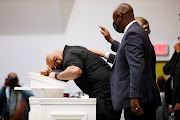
column 75, row 50
column 136, row 27
column 71, row 48
column 137, row 30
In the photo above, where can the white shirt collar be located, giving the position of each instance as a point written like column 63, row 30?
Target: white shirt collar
column 127, row 27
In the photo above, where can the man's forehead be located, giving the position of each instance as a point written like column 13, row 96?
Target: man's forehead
column 115, row 14
column 50, row 65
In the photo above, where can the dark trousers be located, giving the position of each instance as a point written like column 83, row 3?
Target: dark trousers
column 177, row 115
column 148, row 113
column 177, row 118
column 105, row 111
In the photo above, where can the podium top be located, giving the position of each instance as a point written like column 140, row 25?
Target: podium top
column 40, row 81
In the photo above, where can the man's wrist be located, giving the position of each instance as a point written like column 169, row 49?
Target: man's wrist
column 111, row 40
column 56, row 74
column 106, row 56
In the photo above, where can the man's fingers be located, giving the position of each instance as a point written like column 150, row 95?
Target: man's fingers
column 133, row 110
column 137, row 110
column 102, row 32
column 103, row 28
column 52, row 75
column 140, row 109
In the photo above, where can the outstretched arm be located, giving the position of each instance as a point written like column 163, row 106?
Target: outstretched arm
column 114, row 44
column 110, row 57
column 106, row 34
column 102, row 54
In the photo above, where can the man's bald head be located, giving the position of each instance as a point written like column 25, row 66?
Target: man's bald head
column 12, row 75
column 13, row 79
column 122, row 16
column 51, row 56
column 125, row 8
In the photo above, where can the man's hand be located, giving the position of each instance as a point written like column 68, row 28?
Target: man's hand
column 106, row 34
column 45, row 72
column 135, row 108
column 52, row 75
column 177, row 106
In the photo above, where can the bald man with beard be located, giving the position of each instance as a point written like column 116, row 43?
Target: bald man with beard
column 90, row 73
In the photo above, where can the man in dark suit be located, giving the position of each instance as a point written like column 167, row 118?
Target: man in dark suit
column 133, row 85
column 172, row 68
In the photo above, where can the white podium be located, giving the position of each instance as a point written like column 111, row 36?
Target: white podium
column 53, row 106
column 62, row 109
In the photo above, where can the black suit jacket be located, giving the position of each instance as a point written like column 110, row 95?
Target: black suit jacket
column 173, row 68
column 133, row 70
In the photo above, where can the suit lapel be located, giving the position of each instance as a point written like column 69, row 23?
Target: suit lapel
column 115, row 59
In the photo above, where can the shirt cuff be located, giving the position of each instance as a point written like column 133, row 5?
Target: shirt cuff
column 106, row 56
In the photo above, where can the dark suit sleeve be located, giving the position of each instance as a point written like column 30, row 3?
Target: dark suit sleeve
column 111, row 58
column 168, row 69
column 153, row 66
column 135, row 57
column 115, row 45
column 178, row 100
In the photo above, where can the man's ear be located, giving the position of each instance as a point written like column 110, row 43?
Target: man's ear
column 119, row 17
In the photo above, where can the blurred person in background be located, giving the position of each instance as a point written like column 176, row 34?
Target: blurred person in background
column 162, row 111
column 14, row 105
column 172, row 68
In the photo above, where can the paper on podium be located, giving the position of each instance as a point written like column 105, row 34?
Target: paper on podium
column 40, row 81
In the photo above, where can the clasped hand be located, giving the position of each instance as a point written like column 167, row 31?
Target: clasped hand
column 135, row 108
